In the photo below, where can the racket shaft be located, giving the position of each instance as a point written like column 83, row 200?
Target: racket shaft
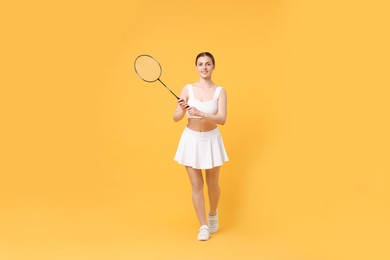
column 169, row 89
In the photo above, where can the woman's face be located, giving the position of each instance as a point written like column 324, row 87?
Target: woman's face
column 205, row 67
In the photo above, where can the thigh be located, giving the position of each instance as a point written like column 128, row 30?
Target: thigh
column 212, row 175
column 195, row 176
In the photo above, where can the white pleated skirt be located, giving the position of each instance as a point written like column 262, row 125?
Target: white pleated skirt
column 201, row 150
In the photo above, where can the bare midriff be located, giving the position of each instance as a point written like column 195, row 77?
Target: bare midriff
column 200, row 124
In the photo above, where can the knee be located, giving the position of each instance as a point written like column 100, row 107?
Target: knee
column 197, row 187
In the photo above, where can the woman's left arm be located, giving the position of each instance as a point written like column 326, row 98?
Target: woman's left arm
column 218, row 118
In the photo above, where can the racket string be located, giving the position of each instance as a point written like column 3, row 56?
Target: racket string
column 147, row 68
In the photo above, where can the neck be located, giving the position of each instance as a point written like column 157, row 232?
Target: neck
column 205, row 83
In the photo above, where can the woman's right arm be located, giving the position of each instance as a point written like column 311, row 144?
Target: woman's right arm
column 181, row 107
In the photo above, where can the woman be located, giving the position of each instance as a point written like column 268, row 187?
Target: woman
column 201, row 145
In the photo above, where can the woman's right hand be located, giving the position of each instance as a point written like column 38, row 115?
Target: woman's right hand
column 182, row 103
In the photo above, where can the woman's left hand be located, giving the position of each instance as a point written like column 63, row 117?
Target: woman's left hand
column 194, row 112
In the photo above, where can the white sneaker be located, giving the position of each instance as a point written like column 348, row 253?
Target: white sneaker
column 213, row 223
column 204, row 233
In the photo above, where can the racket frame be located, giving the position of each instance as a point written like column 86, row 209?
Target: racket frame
column 158, row 78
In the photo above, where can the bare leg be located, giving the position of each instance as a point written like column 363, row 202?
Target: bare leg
column 212, row 177
column 197, row 182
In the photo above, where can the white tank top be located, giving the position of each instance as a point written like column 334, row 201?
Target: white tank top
column 209, row 107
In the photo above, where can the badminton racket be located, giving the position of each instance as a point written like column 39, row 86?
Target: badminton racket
column 150, row 70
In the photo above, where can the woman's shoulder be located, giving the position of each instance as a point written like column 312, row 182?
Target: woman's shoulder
column 186, row 86
column 184, row 91
column 219, row 88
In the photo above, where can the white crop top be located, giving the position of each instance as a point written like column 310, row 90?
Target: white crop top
column 209, row 107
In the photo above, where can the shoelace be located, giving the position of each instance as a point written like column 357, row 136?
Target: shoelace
column 204, row 233
column 203, row 229
column 213, row 220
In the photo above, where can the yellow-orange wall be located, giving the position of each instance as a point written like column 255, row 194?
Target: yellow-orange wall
column 86, row 166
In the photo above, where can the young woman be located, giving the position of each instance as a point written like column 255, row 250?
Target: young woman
column 201, row 145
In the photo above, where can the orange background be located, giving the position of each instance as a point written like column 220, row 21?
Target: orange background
column 86, row 166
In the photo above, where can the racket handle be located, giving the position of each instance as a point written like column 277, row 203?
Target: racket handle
column 183, row 101
column 169, row 89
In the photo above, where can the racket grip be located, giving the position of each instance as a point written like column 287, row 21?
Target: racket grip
column 181, row 100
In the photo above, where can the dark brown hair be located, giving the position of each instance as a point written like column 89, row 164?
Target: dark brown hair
column 205, row 54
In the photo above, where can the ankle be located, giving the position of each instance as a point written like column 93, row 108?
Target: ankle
column 213, row 213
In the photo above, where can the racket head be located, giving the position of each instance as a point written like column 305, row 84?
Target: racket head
column 147, row 68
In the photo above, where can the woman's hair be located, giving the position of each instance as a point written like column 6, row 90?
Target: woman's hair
column 205, row 54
